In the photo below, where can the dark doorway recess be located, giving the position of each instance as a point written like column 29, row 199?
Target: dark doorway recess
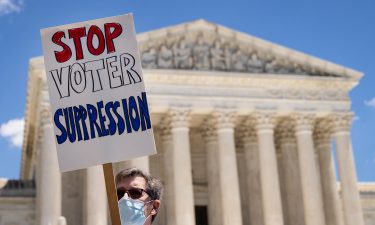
column 201, row 215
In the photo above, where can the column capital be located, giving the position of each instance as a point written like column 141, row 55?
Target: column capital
column 285, row 134
column 247, row 134
column 264, row 120
column 225, row 118
column 303, row 121
column 209, row 131
column 322, row 137
column 165, row 128
column 45, row 114
column 179, row 117
column 323, row 132
column 341, row 122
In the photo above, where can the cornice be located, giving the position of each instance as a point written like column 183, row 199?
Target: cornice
column 35, row 85
column 223, row 78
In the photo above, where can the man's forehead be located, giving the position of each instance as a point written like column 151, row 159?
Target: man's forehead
column 136, row 181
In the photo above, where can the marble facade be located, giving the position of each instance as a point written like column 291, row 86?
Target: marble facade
column 243, row 128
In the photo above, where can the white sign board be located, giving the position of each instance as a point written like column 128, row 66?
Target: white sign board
column 96, row 89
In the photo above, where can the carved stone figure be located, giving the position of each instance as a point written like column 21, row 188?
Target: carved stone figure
column 182, row 55
column 255, row 65
column 228, row 52
column 165, row 57
column 272, row 67
column 149, row 59
column 299, row 70
column 284, row 69
column 201, row 52
column 239, row 61
column 217, row 57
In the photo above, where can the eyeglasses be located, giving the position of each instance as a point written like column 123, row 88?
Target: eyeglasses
column 133, row 193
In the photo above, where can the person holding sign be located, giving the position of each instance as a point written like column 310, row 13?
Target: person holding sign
column 98, row 105
column 139, row 196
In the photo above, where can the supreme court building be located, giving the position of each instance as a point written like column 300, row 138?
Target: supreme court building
column 244, row 130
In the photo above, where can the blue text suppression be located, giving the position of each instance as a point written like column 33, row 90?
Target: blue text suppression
column 85, row 122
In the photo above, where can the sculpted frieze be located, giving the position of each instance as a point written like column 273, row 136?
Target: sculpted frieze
column 202, row 52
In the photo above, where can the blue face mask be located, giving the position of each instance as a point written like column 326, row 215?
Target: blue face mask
column 132, row 212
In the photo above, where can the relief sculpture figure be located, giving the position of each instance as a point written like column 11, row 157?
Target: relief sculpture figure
column 201, row 53
column 272, row 67
column 217, row 57
column 182, row 55
column 284, row 70
column 228, row 51
column 299, row 70
column 255, row 65
column 165, row 57
column 239, row 61
column 149, row 59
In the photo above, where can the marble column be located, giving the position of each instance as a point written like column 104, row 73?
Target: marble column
column 141, row 163
column 272, row 209
column 228, row 174
column 254, row 188
column 289, row 168
column 213, row 179
column 49, row 189
column 332, row 205
column 95, row 197
column 310, row 178
column 180, row 167
column 350, row 195
column 168, row 167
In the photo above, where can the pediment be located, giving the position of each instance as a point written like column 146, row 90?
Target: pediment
column 201, row 45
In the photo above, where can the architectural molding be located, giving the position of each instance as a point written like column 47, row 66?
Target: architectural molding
column 225, row 118
column 264, row 120
column 248, row 135
column 209, row 131
column 272, row 82
column 323, row 131
column 165, row 128
column 342, row 122
column 304, row 122
column 285, row 131
column 45, row 115
column 179, row 117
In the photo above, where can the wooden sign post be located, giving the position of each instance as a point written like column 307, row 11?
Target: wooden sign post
column 111, row 193
column 97, row 97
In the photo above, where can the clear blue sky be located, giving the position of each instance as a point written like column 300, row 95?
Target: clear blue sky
column 342, row 32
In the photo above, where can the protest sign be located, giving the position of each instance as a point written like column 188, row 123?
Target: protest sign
column 96, row 89
column 97, row 95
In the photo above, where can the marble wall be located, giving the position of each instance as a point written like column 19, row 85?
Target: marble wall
column 17, row 211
